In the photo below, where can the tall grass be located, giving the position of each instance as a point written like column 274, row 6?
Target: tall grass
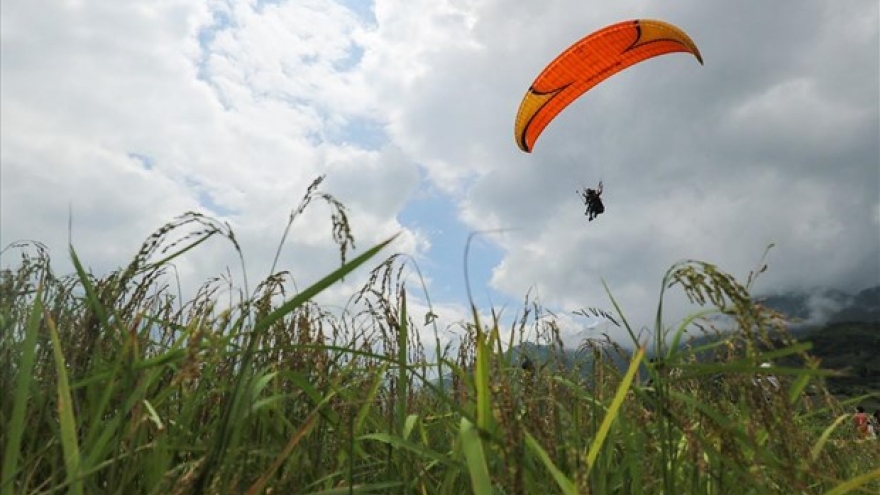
column 114, row 385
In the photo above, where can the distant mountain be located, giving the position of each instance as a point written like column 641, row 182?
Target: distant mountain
column 826, row 306
column 843, row 328
column 865, row 307
column 539, row 356
column 852, row 348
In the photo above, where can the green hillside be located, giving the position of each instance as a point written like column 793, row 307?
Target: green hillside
column 852, row 348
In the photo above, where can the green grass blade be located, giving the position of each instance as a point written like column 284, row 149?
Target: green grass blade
column 261, row 383
column 409, row 424
column 620, row 314
column 481, row 383
column 476, row 459
column 103, row 313
column 260, row 485
column 66, row 418
column 566, row 485
column 232, row 411
column 798, row 386
column 153, row 415
column 415, row 448
column 15, row 428
column 823, row 438
column 384, row 487
column 402, row 345
column 851, row 485
column 400, row 402
column 605, row 427
column 675, row 344
column 318, row 287
column 368, row 400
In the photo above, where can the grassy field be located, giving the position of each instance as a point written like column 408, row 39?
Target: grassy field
column 113, row 385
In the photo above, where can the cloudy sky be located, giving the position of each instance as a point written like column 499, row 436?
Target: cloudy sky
column 123, row 115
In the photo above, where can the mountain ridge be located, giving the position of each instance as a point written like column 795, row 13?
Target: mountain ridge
column 823, row 306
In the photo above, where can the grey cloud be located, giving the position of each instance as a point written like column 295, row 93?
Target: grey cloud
column 775, row 139
column 87, row 85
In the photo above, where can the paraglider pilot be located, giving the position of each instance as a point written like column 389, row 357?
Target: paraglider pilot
column 593, row 201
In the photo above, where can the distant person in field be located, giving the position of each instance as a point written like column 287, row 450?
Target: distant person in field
column 593, row 201
column 874, row 425
column 767, row 383
column 860, row 420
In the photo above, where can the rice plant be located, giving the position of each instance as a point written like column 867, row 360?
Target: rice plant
column 113, row 384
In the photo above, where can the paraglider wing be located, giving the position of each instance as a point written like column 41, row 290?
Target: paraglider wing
column 589, row 62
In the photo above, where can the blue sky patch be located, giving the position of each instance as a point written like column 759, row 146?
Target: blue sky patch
column 363, row 8
column 206, row 199
column 261, row 4
column 366, row 133
column 145, row 161
column 435, row 215
column 355, row 54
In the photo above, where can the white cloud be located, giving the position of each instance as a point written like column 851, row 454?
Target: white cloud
column 238, row 106
column 232, row 106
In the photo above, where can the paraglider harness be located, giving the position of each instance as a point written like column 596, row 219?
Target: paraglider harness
column 593, row 201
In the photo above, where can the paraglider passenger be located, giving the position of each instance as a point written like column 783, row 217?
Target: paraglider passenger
column 593, row 201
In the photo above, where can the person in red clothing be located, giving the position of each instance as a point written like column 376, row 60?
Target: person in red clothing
column 860, row 420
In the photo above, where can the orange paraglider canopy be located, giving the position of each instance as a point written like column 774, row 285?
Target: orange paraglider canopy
column 589, row 62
